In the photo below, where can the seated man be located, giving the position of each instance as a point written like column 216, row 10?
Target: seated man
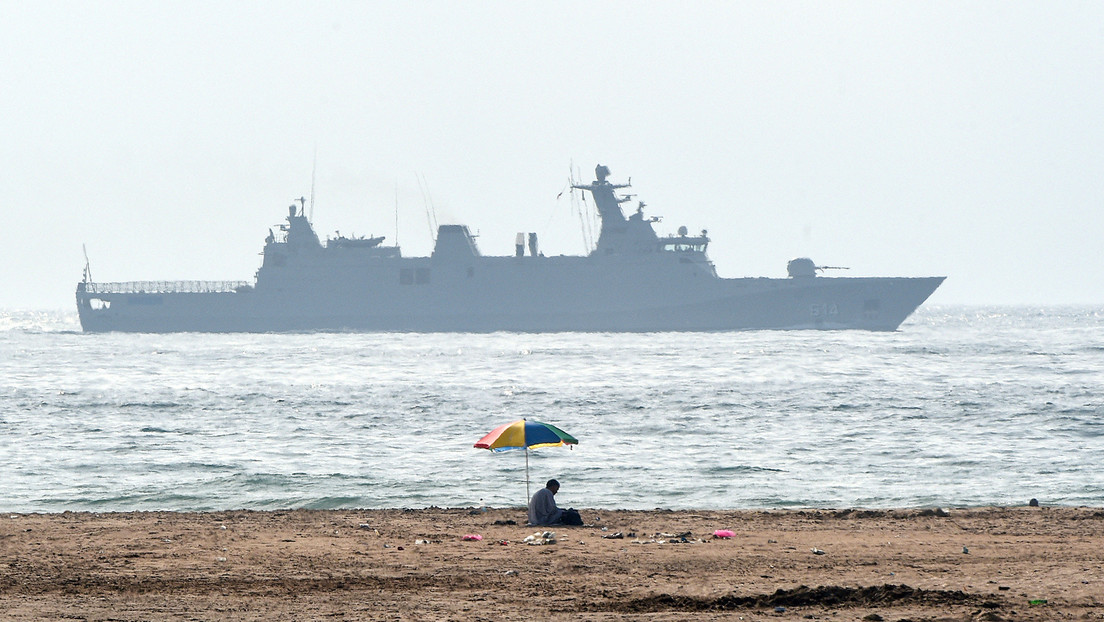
column 543, row 510
column 542, row 507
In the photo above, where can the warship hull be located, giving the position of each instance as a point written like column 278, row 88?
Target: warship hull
column 634, row 281
column 530, row 305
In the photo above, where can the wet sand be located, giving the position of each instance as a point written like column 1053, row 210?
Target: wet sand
column 964, row 564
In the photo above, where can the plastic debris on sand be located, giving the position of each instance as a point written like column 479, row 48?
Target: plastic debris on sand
column 541, row 537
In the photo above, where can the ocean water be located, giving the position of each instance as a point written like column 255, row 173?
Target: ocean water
column 963, row 406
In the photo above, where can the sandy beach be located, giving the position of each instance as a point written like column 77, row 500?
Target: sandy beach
column 1023, row 563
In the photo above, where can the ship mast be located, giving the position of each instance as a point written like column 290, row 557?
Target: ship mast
column 609, row 205
column 618, row 234
column 314, row 168
column 87, row 265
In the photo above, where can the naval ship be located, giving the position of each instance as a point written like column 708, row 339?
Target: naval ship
column 632, row 281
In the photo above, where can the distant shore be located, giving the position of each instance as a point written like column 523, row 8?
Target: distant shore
column 1023, row 563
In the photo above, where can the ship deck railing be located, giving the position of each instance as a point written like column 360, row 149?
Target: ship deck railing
column 167, row 287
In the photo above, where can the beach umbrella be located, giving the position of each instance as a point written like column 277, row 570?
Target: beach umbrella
column 525, row 434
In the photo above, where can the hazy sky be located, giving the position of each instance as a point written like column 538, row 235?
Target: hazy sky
column 963, row 139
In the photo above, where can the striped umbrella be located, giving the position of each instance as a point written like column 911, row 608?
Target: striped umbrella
column 525, row 434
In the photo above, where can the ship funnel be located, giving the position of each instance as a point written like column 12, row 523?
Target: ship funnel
column 454, row 242
column 519, row 245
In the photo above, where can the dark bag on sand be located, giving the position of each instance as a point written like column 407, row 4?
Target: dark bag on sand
column 571, row 517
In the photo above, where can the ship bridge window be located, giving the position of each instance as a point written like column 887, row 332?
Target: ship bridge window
column 413, row 276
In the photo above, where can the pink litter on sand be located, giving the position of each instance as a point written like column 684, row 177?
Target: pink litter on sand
column 723, row 533
column 473, row 536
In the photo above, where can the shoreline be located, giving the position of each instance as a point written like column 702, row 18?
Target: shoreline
column 895, row 510
column 996, row 563
column 597, row 512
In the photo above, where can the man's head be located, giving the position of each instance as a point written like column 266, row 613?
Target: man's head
column 552, row 485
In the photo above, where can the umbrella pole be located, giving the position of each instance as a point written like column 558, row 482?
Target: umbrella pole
column 527, row 476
